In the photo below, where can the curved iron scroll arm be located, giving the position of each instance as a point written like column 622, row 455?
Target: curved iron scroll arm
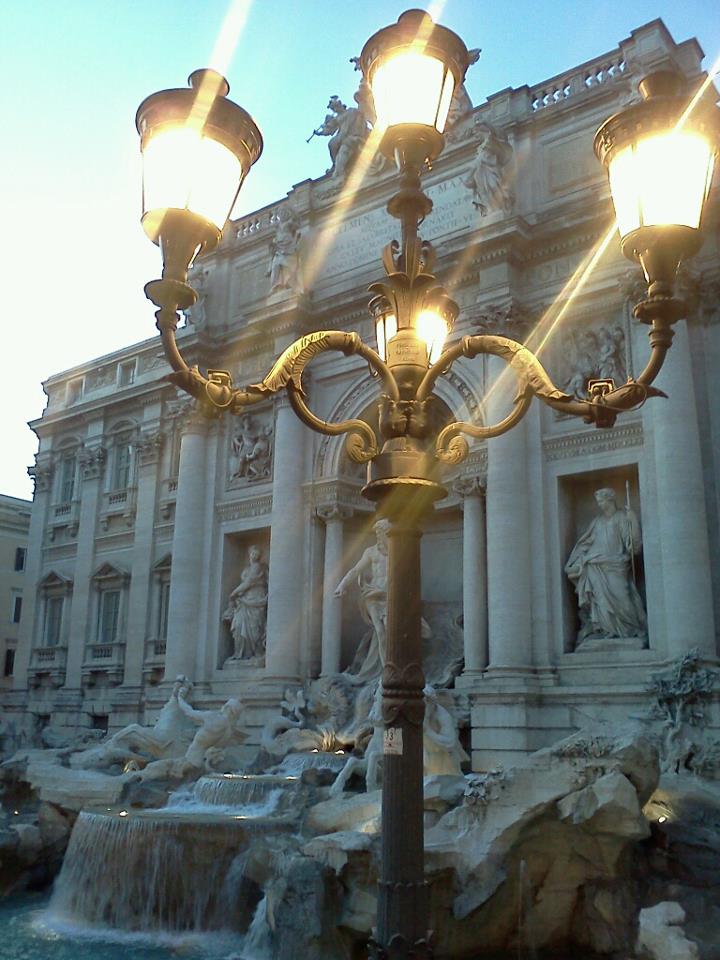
column 216, row 394
column 602, row 408
column 286, row 373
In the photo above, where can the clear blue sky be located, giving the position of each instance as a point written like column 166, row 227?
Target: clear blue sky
column 73, row 255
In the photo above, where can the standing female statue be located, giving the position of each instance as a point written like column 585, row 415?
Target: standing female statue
column 247, row 609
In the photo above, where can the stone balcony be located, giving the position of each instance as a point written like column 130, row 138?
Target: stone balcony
column 47, row 664
column 65, row 515
column 104, row 663
column 120, row 504
column 154, row 665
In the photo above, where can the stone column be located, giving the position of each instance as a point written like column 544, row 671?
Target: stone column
column 148, row 448
column 681, row 512
column 334, row 516
column 474, row 575
column 29, row 632
column 286, row 576
column 92, row 469
column 508, row 536
column 187, row 574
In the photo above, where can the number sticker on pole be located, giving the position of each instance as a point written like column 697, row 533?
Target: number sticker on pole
column 392, row 741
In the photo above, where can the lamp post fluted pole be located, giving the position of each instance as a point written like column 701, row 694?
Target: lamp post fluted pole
column 413, row 315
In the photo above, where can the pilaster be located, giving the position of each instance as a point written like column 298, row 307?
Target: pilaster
column 148, row 449
column 187, row 551
column 92, row 469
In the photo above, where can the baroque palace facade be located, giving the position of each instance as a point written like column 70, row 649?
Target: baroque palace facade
column 144, row 511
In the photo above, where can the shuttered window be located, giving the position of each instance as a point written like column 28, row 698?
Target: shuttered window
column 53, row 620
column 108, row 615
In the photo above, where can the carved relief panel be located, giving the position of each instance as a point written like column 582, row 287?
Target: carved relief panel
column 250, row 449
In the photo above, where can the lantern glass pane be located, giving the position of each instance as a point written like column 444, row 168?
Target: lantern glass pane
column 183, row 169
column 412, row 88
column 661, row 180
column 385, row 329
column 432, row 328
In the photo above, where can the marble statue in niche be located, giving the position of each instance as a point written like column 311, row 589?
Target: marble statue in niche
column 595, row 354
column 488, row 177
column 601, row 568
column 285, row 246
column 370, row 575
column 251, row 451
column 246, row 612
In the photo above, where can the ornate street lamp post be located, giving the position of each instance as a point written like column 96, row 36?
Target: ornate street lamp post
column 196, row 142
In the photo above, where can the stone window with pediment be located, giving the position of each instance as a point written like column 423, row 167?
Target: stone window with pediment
column 160, row 606
column 110, row 587
column 54, row 595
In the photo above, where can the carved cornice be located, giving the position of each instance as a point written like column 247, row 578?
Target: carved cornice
column 239, row 509
column 590, row 442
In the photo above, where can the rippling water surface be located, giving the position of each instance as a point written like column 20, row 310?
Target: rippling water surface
column 27, row 934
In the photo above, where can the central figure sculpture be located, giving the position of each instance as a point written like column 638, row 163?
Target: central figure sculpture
column 370, row 574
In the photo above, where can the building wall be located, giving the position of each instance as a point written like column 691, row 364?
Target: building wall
column 137, row 493
column 14, row 525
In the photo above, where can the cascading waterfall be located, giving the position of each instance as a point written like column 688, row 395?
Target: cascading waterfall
column 154, row 872
column 262, row 793
column 258, row 941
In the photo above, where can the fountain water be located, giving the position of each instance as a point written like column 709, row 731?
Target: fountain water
column 170, row 872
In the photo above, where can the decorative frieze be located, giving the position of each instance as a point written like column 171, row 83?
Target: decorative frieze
column 251, row 507
column 591, row 442
column 334, row 495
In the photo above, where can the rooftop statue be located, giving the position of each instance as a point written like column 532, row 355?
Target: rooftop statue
column 285, row 265
column 488, row 175
column 348, row 129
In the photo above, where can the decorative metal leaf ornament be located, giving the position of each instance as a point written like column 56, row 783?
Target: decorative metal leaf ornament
column 360, row 448
column 456, row 450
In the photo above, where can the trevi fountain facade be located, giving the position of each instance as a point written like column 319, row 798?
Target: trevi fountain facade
column 203, row 632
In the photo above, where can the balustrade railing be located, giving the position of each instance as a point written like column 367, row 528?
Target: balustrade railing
column 596, row 73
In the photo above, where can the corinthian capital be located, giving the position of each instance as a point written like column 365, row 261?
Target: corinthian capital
column 469, row 486
column 334, row 511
